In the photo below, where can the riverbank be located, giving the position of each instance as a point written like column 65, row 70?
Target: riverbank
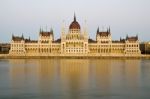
column 7, row 56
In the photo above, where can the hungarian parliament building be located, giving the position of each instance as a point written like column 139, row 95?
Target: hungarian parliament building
column 74, row 43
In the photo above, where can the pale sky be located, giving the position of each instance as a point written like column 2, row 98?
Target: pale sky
column 130, row 17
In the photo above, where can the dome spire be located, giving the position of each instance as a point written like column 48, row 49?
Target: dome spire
column 74, row 17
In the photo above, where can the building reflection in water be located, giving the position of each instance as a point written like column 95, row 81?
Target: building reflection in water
column 33, row 75
column 46, row 76
column 133, row 71
column 125, row 75
column 23, row 75
column 74, row 78
column 100, row 78
column 145, row 77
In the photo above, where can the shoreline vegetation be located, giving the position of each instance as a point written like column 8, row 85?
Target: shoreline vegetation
column 7, row 56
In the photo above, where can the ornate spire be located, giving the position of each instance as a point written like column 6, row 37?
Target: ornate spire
column 51, row 30
column 40, row 30
column 127, row 36
column 12, row 36
column 29, row 38
column 74, row 17
column 22, row 36
column 137, row 36
column 85, row 28
column 63, row 27
column 46, row 28
column 109, row 29
column 98, row 30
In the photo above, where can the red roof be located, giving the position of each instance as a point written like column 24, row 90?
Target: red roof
column 74, row 24
column 17, row 38
column 46, row 33
column 103, row 33
column 133, row 38
column 57, row 41
column 91, row 41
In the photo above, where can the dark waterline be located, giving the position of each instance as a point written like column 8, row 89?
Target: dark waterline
column 74, row 79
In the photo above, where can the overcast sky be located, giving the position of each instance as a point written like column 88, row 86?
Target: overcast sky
column 130, row 17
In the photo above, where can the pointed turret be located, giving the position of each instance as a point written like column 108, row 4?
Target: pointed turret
column 107, row 30
column 12, row 36
column 98, row 30
column 137, row 36
column 29, row 38
column 22, row 37
column 126, row 36
column 51, row 30
column 40, row 29
column 85, row 27
column 63, row 28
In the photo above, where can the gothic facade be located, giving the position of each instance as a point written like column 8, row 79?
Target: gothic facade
column 74, row 43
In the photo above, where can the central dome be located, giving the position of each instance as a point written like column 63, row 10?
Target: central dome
column 74, row 24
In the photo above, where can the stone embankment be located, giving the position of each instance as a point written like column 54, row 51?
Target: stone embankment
column 7, row 56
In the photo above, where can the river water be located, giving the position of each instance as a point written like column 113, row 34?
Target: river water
column 74, row 79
